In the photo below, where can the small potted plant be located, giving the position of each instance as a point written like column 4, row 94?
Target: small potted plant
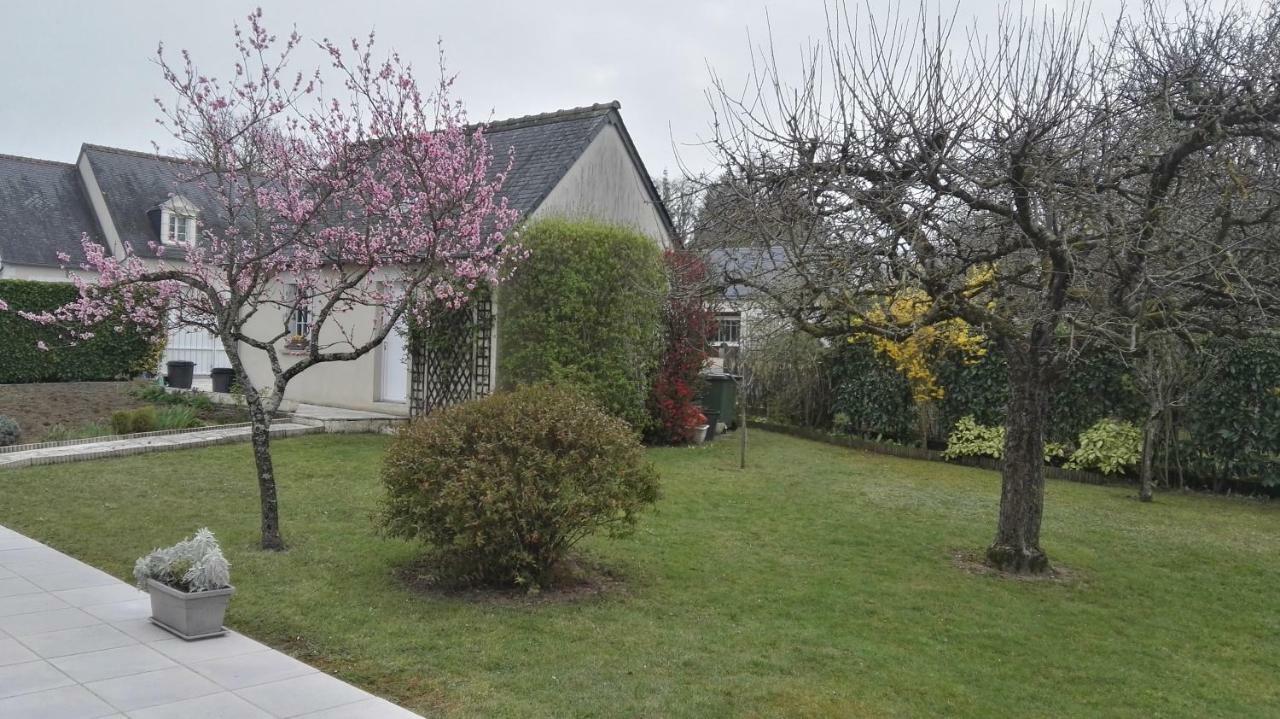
column 190, row 586
column 296, row 343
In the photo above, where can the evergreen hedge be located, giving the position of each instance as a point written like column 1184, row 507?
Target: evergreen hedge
column 1233, row 421
column 1230, row 430
column 109, row 355
column 585, row 308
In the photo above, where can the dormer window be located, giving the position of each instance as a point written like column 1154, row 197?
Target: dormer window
column 179, row 229
column 177, row 221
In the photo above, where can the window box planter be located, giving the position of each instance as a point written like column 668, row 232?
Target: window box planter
column 296, row 345
column 189, row 615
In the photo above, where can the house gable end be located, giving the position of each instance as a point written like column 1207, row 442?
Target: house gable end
column 608, row 183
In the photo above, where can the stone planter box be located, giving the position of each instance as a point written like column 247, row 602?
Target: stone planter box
column 194, row 615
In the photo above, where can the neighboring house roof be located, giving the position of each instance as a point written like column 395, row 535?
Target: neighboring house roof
column 728, row 266
column 43, row 211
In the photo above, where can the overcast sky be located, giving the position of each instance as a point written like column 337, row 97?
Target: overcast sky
column 73, row 72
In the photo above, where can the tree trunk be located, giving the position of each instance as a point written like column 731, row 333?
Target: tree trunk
column 261, row 435
column 1017, row 543
column 1146, row 477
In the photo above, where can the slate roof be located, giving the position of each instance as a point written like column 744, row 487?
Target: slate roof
column 133, row 183
column 43, row 211
column 545, row 147
column 757, row 265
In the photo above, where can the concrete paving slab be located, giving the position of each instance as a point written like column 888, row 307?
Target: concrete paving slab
column 75, row 644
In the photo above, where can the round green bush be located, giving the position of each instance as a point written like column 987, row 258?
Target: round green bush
column 1109, row 446
column 9, row 431
column 585, row 308
column 501, row 488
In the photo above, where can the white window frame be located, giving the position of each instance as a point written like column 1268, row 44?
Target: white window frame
column 178, row 220
column 300, row 319
column 180, row 229
column 736, row 318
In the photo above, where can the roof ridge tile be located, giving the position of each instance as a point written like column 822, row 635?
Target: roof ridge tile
column 546, row 118
column 136, row 153
column 35, row 160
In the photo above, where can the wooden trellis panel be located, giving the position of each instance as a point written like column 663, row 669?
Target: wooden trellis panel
column 451, row 357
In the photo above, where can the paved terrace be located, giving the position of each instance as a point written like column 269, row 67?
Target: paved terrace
column 75, row 643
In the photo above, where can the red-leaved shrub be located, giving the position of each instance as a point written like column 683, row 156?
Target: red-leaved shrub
column 688, row 324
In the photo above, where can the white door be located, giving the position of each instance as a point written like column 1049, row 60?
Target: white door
column 394, row 372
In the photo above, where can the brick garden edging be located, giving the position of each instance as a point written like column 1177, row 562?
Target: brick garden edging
column 113, row 437
column 144, row 444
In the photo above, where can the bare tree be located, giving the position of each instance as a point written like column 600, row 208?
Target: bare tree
column 682, row 197
column 1167, row 370
column 1048, row 189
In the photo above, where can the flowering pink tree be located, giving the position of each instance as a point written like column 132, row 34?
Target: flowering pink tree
column 372, row 194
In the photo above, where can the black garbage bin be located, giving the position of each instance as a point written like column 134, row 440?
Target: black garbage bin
column 713, row 417
column 180, row 372
column 222, row 377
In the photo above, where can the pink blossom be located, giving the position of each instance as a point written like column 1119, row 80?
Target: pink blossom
column 367, row 191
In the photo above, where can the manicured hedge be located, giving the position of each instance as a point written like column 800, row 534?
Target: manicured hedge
column 1233, row 421
column 1095, row 386
column 585, row 308
column 109, row 355
column 1229, row 430
column 871, row 396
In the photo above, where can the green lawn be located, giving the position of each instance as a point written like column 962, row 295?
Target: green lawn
column 820, row 582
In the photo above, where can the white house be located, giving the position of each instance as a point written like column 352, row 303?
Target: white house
column 576, row 163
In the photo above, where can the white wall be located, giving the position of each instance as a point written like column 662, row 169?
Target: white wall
column 604, row 184
column 353, row 384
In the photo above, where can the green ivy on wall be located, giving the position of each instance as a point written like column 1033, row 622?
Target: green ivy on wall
column 585, row 308
column 109, row 355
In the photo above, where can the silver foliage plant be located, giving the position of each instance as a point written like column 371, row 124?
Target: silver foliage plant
column 195, row 564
